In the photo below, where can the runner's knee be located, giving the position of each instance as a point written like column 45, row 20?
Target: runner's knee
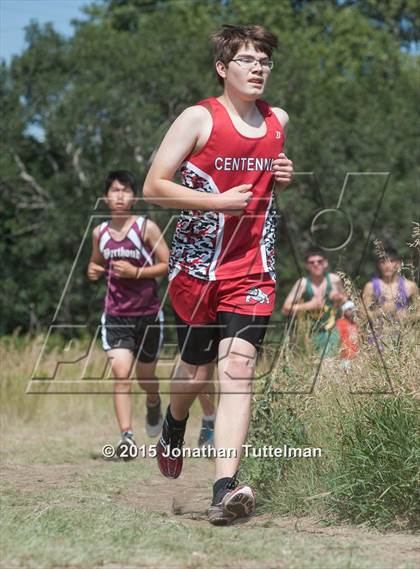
column 122, row 384
column 239, row 369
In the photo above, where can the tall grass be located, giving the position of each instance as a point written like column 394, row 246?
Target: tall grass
column 366, row 422
column 60, row 401
column 63, row 393
column 376, row 477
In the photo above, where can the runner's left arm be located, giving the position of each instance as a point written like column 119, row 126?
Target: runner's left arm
column 154, row 238
column 282, row 166
column 338, row 295
column 413, row 291
column 413, row 313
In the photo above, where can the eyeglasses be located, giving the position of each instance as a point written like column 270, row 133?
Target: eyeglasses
column 317, row 262
column 248, row 62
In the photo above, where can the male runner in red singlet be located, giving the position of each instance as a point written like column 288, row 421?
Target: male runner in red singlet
column 130, row 252
column 222, row 288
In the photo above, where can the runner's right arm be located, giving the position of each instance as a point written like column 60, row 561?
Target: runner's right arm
column 96, row 267
column 180, row 140
column 368, row 298
column 293, row 306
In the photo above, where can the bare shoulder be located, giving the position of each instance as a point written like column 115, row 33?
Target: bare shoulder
column 96, row 231
column 192, row 127
column 151, row 227
column 282, row 116
column 194, row 115
column 368, row 288
column 412, row 288
column 300, row 284
column 153, row 233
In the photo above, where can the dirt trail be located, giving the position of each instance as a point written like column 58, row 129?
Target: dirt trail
column 185, row 499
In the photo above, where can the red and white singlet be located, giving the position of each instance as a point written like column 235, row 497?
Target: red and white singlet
column 214, row 246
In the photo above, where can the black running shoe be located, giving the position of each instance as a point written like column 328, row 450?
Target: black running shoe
column 127, row 448
column 169, row 451
column 154, row 419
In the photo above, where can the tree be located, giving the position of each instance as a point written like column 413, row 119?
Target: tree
column 78, row 107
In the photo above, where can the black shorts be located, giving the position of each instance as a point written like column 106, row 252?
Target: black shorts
column 142, row 335
column 199, row 343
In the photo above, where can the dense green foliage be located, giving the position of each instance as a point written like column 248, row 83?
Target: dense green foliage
column 377, row 468
column 77, row 107
column 368, row 472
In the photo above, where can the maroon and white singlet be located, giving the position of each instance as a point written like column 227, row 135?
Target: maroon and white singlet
column 128, row 297
column 214, row 246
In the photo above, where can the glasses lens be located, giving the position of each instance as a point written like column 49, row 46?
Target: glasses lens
column 249, row 62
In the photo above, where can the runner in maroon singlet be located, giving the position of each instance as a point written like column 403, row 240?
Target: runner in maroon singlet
column 130, row 252
column 229, row 151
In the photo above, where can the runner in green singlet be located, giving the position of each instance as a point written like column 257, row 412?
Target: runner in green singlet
column 318, row 295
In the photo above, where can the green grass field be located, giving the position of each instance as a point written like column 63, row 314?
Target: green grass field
column 63, row 505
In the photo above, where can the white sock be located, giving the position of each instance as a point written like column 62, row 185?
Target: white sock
column 209, row 417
